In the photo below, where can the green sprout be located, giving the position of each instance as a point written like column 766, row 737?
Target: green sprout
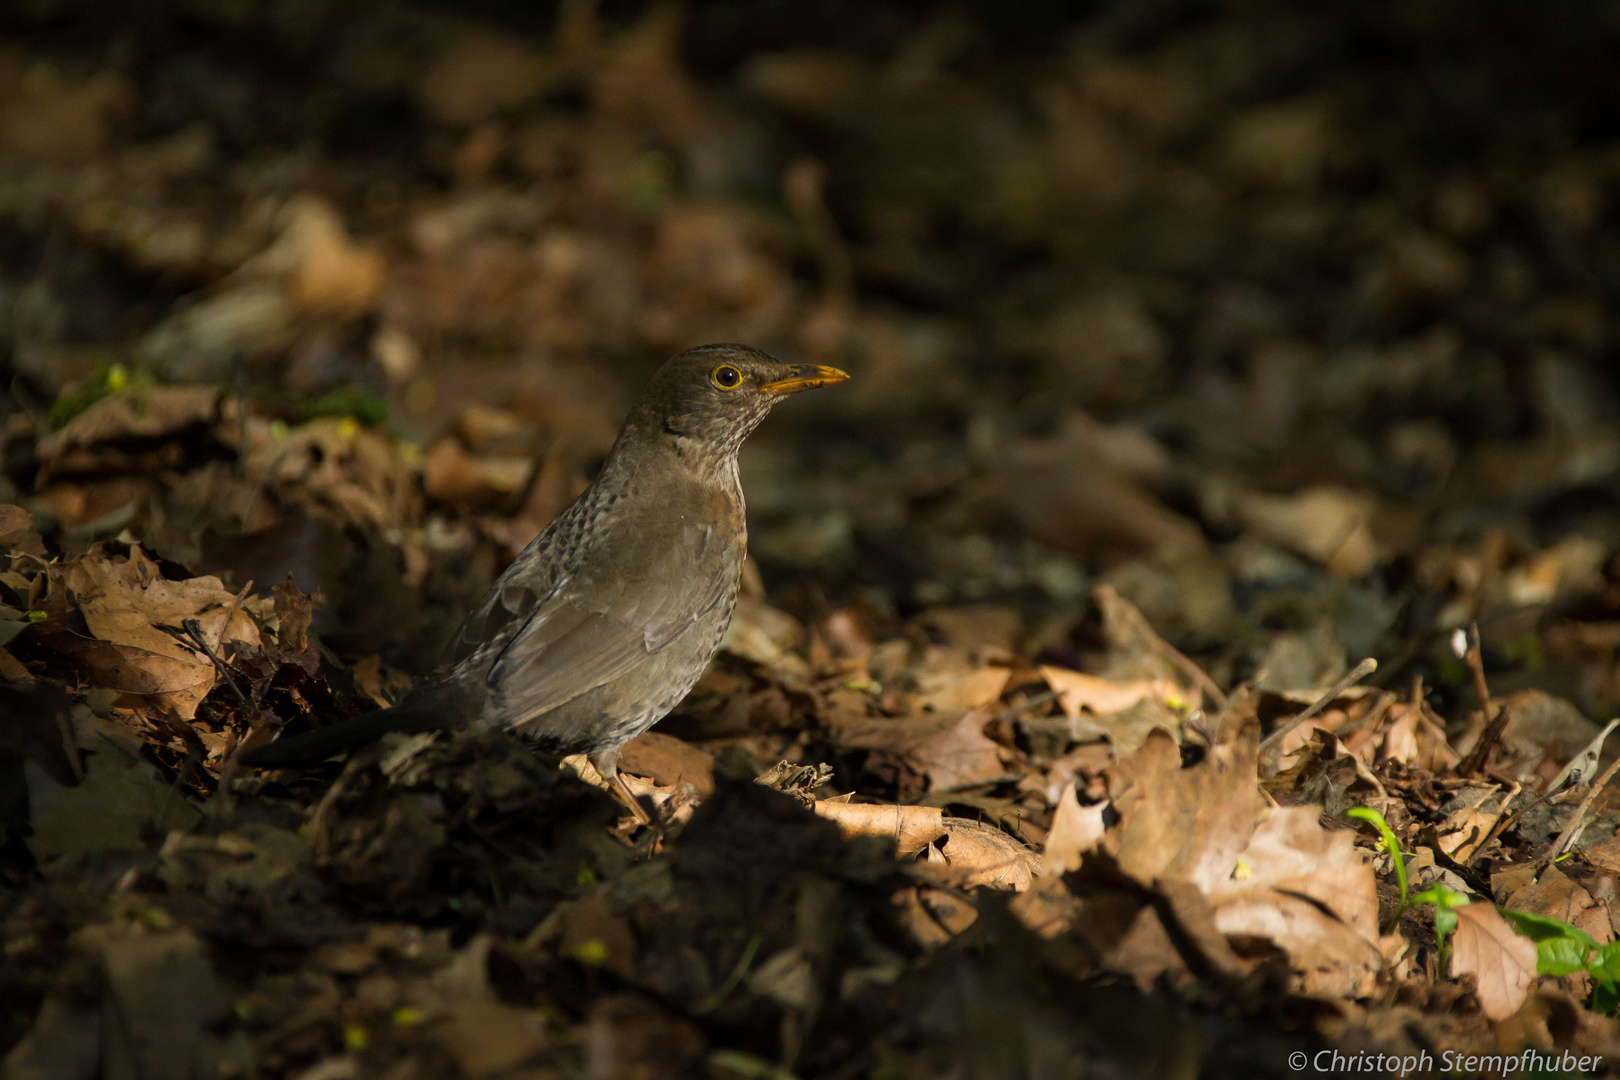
column 1561, row 949
column 1445, row 914
column 1392, row 846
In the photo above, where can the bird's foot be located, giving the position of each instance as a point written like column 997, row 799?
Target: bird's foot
column 626, row 796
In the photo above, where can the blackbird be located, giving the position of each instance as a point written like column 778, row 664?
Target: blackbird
column 609, row 616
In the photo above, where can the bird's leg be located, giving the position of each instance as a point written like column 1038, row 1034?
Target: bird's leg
column 607, row 766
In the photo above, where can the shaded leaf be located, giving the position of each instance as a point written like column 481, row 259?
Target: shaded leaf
column 1503, row 963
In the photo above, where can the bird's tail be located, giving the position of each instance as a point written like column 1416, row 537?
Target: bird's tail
column 318, row 745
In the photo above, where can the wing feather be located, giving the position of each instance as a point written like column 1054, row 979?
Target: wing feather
column 589, row 631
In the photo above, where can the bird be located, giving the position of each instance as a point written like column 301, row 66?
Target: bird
column 609, row 616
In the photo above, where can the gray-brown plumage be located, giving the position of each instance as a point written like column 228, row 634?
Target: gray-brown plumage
column 605, row 621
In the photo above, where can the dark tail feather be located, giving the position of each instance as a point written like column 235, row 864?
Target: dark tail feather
column 316, row 746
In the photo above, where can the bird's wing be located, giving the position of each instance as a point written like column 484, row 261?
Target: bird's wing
column 599, row 624
column 503, row 612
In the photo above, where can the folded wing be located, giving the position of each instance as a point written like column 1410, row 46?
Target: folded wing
column 601, row 624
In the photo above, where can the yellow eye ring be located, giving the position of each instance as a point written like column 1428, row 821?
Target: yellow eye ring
column 726, row 377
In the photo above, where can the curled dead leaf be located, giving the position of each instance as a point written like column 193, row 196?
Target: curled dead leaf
column 973, row 854
column 911, row 827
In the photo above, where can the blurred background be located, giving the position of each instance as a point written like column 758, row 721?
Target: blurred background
column 1291, row 322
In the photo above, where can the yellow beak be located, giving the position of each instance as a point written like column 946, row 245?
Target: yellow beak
column 805, row 377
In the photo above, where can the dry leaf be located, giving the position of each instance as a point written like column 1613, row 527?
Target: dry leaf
column 1077, row 491
column 86, row 443
column 295, row 611
column 487, row 1037
column 912, row 828
column 973, row 854
column 1191, row 823
column 669, row 761
column 1327, row 524
column 17, row 532
column 1078, row 691
column 767, row 637
column 124, row 651
column 480, row 75
column 959, row 755
column 107, row 811
column 1558, row 897
column 954, row 691
column 1075, row 830
column 1503, row 963
column 1312, row 893
column 1466, row 827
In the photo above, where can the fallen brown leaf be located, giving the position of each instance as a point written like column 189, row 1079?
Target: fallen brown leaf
column 1327, row 524
column 1503, row 963
column 1190, row 823
column 487, row 1037
column 1078, row 691
column 911, row 827
column 959, row 755
column 1311, row 892
column 1075, row 830
column 87, row 443
column 669, row 761
column 973, row 854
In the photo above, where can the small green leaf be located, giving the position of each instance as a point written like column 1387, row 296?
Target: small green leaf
column 749, row 1065
column 1604, row 964
column 1392, row 845
column 1445, row 921
column 1560, row 956
column 362, row 406
column 1441, row 896
column 1545, row 928
column 1445, row 918
column 1606, row 998
column 106, row 379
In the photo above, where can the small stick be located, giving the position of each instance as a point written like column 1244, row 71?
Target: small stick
column 190, row 762
column 1573, row 829
column 1192, row 670
column 194, row 629
column 1477, row 757
column 1034, row 701
column 1353, row 676
column 1498, row 827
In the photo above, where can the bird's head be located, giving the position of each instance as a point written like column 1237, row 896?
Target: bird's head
column 714, row 395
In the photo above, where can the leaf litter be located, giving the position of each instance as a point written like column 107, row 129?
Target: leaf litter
column 1031, row 747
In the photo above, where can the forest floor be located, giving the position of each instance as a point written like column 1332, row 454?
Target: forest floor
column 1185, row 647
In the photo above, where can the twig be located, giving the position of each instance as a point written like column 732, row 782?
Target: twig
column 1193, row 671
column 738, row 972
column 1477, row 757
column 180, row 775
column 1355, row 675
column 1034, row 701
column 194, row 630
column 1571, row 831
column 1498, row 827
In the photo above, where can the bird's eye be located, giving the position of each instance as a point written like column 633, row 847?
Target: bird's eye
column 726, row 377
